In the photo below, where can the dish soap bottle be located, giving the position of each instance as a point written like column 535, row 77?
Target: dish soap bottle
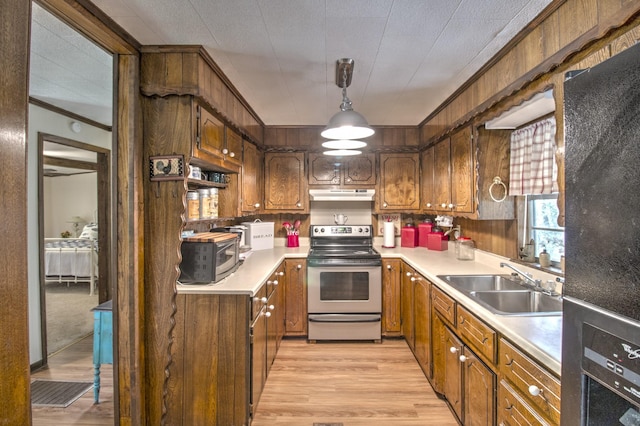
column 545, row 258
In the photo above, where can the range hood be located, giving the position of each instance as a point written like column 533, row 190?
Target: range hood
column 342, row 194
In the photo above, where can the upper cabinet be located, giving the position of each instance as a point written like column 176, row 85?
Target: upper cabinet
column 398, row 186
column 216, row 142
column 252, row 179
column 347, row 172
column 458, row 171
column 286, row 182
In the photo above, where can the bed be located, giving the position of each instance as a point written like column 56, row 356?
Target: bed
column 72, row 260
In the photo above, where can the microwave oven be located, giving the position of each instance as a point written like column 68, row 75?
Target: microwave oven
column 208, row 257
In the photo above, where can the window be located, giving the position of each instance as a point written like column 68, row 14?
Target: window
column 543, row 226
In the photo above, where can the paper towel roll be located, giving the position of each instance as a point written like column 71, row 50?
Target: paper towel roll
column 388, row 235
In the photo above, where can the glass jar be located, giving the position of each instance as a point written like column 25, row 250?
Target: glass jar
column 465, row 248
column 193, row 205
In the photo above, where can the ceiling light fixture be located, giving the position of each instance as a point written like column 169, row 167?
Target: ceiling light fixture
column 344, row 144
column 346, row 124
column 342, row 152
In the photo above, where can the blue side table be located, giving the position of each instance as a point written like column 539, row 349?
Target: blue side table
column 102, row 342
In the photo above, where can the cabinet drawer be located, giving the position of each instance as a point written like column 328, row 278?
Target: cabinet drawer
column 479, row 335
column 524, row 373
column 444, row 304
column 513, row 410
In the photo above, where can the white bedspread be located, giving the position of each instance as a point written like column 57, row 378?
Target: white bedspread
column 71, row 257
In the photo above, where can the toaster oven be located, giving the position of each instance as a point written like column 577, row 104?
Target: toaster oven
column 208, row 257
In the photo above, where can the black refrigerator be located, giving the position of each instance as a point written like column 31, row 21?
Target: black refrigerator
column 601, row 323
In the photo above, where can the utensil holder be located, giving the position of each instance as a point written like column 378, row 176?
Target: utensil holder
column 293, row 241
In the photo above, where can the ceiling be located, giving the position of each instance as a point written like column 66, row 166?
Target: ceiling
column 410, row 55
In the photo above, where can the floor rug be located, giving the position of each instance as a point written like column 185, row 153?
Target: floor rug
column 50, row 393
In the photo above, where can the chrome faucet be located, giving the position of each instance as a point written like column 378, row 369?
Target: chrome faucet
column 537, row 284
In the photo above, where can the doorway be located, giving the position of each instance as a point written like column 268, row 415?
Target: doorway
column 73, row 201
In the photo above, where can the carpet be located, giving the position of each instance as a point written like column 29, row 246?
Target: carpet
column 50, row 393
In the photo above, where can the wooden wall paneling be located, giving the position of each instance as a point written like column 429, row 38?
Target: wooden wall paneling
column 625, row 41
column 15, row 404
column 177, row 395
column 576, row 17
column 166, row 121
column 128, row 247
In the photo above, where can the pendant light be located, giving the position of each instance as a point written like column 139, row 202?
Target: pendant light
column 346, row 124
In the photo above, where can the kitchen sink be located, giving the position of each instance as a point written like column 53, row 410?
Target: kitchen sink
column 519, row 302
column 469, row 283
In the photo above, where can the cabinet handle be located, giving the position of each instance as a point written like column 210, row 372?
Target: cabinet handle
column 509, row 361
column 453, row 349
column 299, row 266
column 256, row 205
column 534, row 390
column 428, row 205
column 451, row 205
column 271, row 307
column 415, row 279
column 298, row 204
column 385, row 205
column 461, row 319
column 280, row 273
column 225, row 151
column 348, row 179
column 267, row 314
column 274, row 282
column 443, row 205
column 232, row 154
column 409, row 274
column 462, row 358
column 389, row 267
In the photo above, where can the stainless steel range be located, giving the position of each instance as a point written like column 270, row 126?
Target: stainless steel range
column 344, row 279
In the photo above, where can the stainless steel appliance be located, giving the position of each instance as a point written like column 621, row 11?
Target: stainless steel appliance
column 601, row 324
column 208, row 257
column 344, row 283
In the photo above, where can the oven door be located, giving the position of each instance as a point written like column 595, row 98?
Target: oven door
column 344, row 289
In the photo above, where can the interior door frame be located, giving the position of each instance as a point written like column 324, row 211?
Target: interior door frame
column 102, row 166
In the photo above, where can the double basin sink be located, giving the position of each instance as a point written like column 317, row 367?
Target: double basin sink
column 505, row 295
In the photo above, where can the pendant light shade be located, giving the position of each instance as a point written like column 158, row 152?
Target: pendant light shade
column 344, row 144
column 342, row 152
column 346, row 124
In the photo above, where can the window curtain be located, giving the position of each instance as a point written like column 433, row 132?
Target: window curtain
column 533, row 168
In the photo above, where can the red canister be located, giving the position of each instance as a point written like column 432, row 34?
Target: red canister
column 437, row 241
column 424, row 229
column 409, row 236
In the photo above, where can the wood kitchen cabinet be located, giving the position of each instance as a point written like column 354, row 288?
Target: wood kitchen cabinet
column 391, row 297
column 215, row 142
column 466, row 379
column 422, row 322
column 406, row 289
column 258, row 347
column 251, row 176
column 345, row 172
column 275, row 312
column 399, row 183
column 528, row 393
column 448, row 175
column 296, row 297
column 286, row 187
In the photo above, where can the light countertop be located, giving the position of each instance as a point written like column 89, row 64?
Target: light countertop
column 540, row 336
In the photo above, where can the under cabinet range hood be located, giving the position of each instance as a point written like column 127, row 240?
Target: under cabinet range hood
column 342, row 194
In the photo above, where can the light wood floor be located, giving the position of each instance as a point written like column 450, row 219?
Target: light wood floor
column 355, row 384
column 76, row 363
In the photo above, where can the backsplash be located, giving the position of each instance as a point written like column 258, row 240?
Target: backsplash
column 357, row 212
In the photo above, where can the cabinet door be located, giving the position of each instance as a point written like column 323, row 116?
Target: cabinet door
column 453, row 371
column 211, row 133
column 272, row 327
column 442, row 176
column 323, row 170
column 427, row 183
column 296, row 297
column 462, row 172
column 407, row 305
column 251, row 178
column 438, row 352
column 359, row 171
column 233, row 147
column 391, row 298
column 258, row 357
column 286, row 182
column 399, row 180
column 422, row 322
column 514, row 411
column 479, row 391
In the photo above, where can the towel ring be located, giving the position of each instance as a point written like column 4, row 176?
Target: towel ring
column 497, row 181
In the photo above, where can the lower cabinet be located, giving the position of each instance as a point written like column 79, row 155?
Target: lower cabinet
column 295, row 295
column 391, row 297
column 406, row 290
column 225, row 345
column 422, row 322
